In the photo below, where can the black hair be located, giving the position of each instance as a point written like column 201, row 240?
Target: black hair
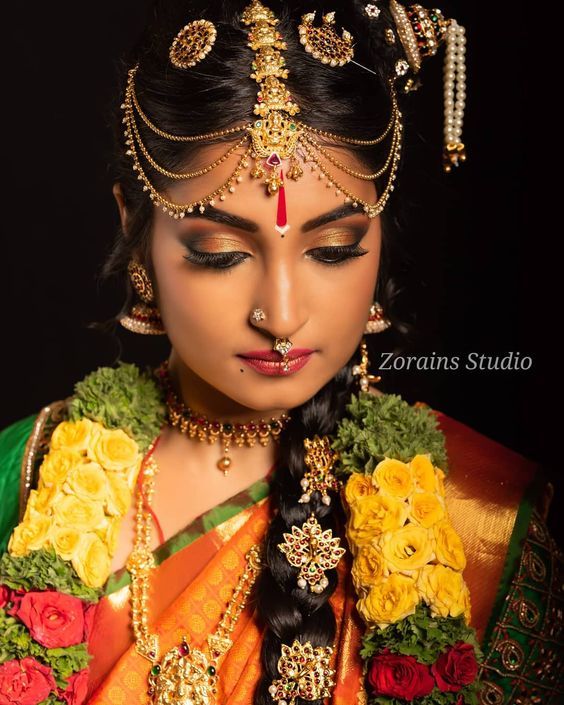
column 217, row 94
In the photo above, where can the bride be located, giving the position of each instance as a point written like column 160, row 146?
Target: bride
column 253, row 521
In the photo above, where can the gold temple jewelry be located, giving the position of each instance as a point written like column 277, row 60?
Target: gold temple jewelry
column 305, row 673
column 313, row 551
column 377, row 321
column 199, row 426
column 319, row 459
column 361, row 370
column 184, row 674
column 143, row 317
column 323, row 42
column 272, row 138
column 192, row 43
column 283, row 346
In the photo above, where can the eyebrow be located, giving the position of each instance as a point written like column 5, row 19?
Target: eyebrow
column 237, row 221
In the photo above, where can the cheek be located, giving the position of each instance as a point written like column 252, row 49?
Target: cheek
column 345, row 297
column 196, row 307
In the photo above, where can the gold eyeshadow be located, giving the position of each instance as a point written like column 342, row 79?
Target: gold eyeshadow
column 336, row 237
column 216, row 244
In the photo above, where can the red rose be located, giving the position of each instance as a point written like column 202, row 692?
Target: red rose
column 25, row 682
column 89, row 612
column 455, row 667
column 15, row 599
column 53, row 618
column 399, row 676
column 4, row 595
column 75, row 692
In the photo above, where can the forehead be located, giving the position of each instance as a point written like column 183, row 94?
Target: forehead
column 306, row 198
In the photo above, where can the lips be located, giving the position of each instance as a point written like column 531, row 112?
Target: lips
column 273, row 356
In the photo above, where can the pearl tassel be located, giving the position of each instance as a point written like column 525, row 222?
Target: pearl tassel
column 454, row 72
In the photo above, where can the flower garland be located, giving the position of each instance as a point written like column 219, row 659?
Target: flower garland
column 59, row 556
column 407, row 558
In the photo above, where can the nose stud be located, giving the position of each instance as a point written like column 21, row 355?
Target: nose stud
column 258, row 315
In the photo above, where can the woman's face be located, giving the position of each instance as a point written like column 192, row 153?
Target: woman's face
column 319, row 306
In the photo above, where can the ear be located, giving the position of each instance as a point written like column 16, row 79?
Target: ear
column 120, row 200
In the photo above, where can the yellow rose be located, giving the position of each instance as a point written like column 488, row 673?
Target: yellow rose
column 391, row 600
column 358, row 485
column 425, row 509
column 88, row 481
column 368, row 567
column 393, row 477
column 66, row 541
column 444, row 590
column 449, row 548
column 114, row 450
column 440, row 481
column 78, row 513
column 47, row 498
column 30, row 535
column 41, row 501
column 73, row 435
column 406, row 549
column 111, row 535
column 132, row 472
column 119, row 495
column 373, row 514
column 92, row 561
column 424, row 472
column 57, row 465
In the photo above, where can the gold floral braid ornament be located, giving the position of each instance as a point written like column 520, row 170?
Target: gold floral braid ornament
column 185, row 674
column 305, row 673
column 272, row 138
column 319, row 478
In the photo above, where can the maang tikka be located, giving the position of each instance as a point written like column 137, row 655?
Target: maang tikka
column 273, row 137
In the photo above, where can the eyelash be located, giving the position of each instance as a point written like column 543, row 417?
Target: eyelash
column 227, row 260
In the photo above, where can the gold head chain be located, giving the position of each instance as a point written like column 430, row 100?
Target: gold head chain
column 276, row 135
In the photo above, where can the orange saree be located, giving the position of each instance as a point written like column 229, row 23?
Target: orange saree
column 191, row 587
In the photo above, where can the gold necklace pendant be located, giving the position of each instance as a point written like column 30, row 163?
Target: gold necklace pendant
column 183, row 677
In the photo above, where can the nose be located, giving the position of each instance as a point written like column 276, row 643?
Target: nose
column 283, row 297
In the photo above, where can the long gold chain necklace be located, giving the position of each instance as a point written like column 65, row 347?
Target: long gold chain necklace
column 184, row 674
column 199, row 426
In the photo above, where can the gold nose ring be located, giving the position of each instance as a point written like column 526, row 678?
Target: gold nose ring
column 283, row 346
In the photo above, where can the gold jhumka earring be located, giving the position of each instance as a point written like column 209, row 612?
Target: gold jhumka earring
column 376, row 323
column 143, row 317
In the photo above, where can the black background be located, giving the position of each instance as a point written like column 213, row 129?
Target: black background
column 475, row 281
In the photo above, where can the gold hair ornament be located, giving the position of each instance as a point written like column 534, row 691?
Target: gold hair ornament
column 304, row 673
column 192, row 43
column 270, row 140
column 313, row 551
column 318, row 477
column 421, row 32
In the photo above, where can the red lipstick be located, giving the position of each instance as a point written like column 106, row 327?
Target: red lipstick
column 270, row 362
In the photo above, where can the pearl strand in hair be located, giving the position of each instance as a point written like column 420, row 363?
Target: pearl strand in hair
column 454, row 73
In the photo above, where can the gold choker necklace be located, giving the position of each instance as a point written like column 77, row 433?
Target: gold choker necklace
column 199, row 426
column 184, row 674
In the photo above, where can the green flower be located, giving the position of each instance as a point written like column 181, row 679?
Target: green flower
column 121, row 397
